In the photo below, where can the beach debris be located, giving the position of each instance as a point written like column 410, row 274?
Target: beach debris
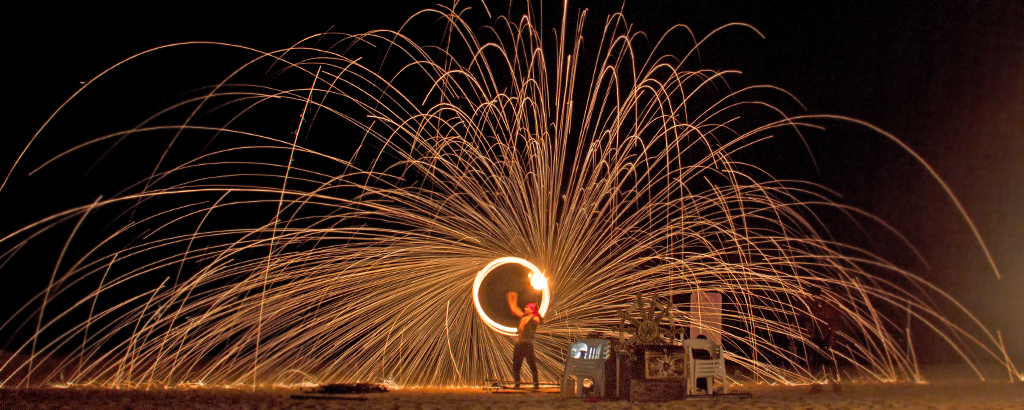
column 349, row 388
column 326, row 397
column 339, row 391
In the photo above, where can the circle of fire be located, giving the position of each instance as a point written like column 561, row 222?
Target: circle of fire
column 537, row 280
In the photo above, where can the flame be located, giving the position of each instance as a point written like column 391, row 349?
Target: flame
column 538, row 281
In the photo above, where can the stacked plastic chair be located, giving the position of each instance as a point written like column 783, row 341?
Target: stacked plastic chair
column 705, row 367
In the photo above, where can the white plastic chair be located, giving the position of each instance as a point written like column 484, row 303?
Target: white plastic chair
column 709, row 368
column 586, row 360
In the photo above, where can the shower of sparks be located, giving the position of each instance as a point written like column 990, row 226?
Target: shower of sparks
column 367, row 179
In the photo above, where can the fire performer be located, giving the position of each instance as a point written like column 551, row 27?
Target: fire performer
column 528, row 322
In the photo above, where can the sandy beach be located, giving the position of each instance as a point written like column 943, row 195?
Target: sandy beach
column 852, row 396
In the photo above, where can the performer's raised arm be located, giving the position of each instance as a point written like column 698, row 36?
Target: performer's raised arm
column 513, row 298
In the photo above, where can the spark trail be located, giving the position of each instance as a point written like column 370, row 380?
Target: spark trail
column 346, row 249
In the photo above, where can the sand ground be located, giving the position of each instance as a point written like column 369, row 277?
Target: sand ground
column 853, row 396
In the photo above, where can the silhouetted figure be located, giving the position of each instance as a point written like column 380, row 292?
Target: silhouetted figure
column 819, row 327
column 528, row 321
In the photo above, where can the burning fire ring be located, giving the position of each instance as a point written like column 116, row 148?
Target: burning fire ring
column 534, row 272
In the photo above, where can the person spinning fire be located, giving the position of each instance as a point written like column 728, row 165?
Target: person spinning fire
column 528, row 321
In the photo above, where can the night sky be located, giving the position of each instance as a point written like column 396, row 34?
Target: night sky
column 948, row 80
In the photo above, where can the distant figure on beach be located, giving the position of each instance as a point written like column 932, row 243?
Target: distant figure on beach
column 819, row 326
column 528, row 321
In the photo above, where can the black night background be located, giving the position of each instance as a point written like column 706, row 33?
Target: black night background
column 945, row 78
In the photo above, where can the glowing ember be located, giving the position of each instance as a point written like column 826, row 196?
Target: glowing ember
column 538, row 281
